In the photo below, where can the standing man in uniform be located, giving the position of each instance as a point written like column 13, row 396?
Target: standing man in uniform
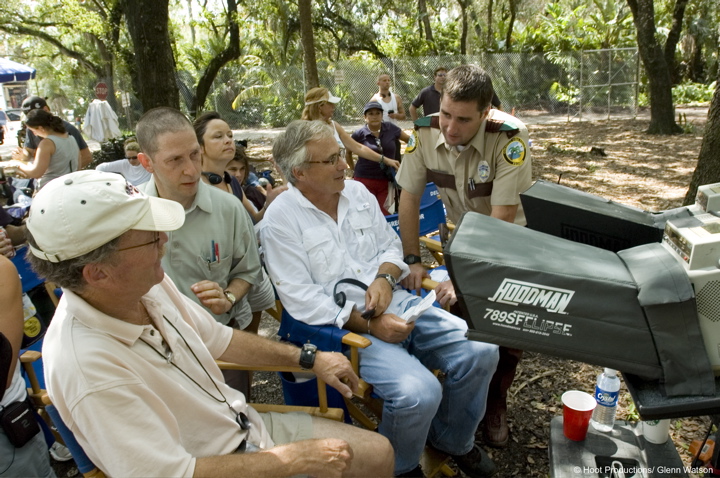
column 392, row 104
column 31, row 141
column 429, row 97
column 478, row 158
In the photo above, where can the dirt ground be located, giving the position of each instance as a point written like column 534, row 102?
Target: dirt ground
column 641, row 170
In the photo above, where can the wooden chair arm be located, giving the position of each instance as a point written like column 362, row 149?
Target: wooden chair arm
column 264, row 368
column 30, row 356
column 429, row 284
column 431, row 244
column 354, row 340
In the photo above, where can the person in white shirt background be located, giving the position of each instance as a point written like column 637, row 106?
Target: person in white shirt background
column 129, row 167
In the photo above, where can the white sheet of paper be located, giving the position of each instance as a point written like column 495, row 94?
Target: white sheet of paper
column 419, row 309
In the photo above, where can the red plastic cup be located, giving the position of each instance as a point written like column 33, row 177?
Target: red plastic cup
column 577, row 410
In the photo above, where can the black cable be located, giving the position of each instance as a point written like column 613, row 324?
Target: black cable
column 697, row 463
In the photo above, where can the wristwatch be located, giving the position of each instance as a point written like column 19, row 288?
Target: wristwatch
column 412, row 259
column 388, row 277
column 307, row 356
column 230, row 296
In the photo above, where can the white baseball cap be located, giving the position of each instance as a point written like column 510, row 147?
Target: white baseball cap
column 329, row 97
column 81, row 211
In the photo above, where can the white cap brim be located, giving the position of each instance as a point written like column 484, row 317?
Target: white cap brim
column 163, row 215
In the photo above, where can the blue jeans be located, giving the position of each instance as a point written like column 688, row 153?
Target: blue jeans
column 416, row 406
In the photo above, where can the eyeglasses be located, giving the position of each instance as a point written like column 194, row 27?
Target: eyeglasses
column 132, row 158
column 441, row 74
column 156, row 240
column 333, row 159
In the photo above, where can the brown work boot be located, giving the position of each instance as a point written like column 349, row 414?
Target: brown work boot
column 495, row 429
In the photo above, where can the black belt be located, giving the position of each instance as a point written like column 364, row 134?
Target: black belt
column 447, row 181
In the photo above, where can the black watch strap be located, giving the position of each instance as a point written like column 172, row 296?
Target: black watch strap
column 412, row 259
column 307, row 356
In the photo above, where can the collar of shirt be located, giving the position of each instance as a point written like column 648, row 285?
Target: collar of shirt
column 366, row 131
column 343, row 203
column 120, row 330
column 202, row 197
column 477, row 142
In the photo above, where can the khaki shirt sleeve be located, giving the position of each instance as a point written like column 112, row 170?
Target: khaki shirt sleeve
column 513, row 168
column 412, row 175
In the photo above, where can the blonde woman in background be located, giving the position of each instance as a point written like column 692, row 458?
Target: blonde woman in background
column 320, row 105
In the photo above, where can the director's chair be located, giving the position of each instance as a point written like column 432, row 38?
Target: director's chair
column 63, row 434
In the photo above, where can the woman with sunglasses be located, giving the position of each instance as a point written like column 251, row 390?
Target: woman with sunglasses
column 320, row 105
column 381, row 137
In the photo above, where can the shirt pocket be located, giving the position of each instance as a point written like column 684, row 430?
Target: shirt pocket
column 217, row 271
column 361, row 223
column 326, row 261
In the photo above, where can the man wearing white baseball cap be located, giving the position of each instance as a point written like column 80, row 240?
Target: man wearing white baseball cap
column 130, row 361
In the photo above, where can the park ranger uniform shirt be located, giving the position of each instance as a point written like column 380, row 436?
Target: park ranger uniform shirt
column 492, row 169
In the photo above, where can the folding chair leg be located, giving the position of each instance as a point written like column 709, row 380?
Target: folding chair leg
column 435, row 463
column 358, row 415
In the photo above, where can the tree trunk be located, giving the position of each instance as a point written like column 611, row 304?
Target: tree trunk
column 147, row 22
column 511, row 23
column 489, row 42
column 672, row 40
column 662, row 110
column 425, row 25
column 696, row 69
column 707, row 170
column 464, row 30
column 231, row 52
column 308, row 43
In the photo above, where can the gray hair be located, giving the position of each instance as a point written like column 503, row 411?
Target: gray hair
column 159, row 121
column 469, row 83
column 69, row 273
column 290, row 147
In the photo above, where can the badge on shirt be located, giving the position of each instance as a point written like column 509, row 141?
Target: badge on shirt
column 412, row 143
column 514, row 152
column 483, row 171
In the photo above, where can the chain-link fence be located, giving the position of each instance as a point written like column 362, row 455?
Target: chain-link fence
column 580, row 85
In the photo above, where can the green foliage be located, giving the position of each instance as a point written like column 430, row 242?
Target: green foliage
column 564, row 94
column 566, row 27
column 693, row 93
column 110, row 150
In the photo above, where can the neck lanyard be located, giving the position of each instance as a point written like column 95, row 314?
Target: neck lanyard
column 240, row 417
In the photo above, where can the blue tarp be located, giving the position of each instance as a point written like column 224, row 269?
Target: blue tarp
column 12, row 71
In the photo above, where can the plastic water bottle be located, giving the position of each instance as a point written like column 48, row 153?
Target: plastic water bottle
column 606, row 395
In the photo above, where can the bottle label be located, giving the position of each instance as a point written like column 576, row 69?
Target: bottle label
column 606, row 399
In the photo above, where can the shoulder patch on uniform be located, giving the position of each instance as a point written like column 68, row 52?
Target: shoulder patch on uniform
column 500, row 126
column 427, row 122
column 514, row 152
column 412, row 143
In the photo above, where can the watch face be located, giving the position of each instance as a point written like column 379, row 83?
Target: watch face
column 412, row 259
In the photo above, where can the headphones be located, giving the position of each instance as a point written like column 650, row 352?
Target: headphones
column 213, row 178
column 340, row 297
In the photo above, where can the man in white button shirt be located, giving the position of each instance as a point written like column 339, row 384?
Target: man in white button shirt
column 130, row 361
column 324, row 229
